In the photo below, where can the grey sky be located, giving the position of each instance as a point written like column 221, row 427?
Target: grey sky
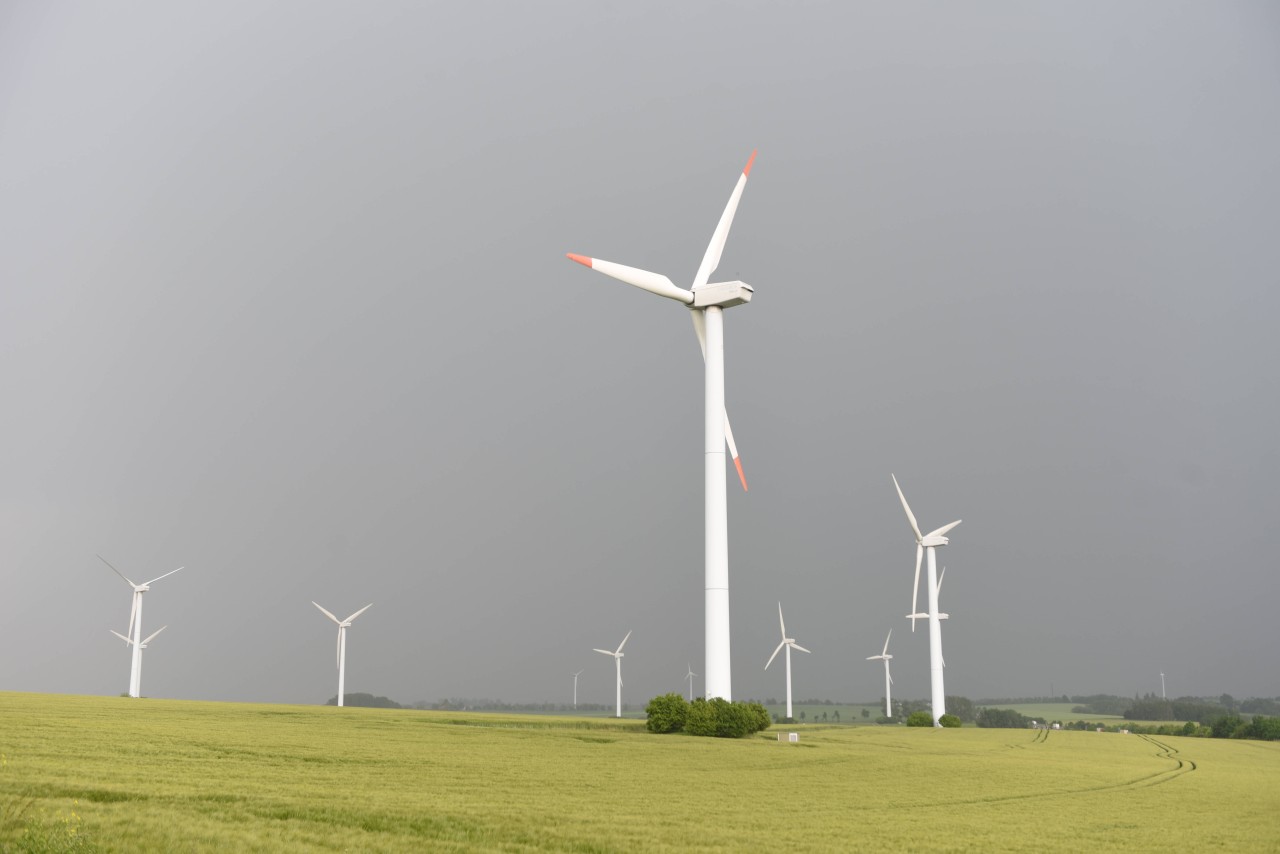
column 283, row 298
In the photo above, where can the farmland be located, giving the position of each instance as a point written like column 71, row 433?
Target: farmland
column 176, row 775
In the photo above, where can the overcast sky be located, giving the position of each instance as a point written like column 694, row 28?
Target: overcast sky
column 283, row 300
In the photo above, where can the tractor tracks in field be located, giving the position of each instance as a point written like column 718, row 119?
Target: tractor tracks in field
column 1163, row 752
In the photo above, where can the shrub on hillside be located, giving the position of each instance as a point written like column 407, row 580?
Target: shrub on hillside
column 920, row 719
column 949, row 721
column 666, row 713
column 722, row 719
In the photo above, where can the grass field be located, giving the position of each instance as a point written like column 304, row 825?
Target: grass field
column 166, row 775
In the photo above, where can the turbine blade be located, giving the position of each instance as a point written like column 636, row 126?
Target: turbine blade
column 133, row 612
column 885, row 651
column 117, row 572
column 940, row 531
column 780, row 623
column 326, row 613
column 153, row 634
column 337, row 651
column 915, row 588
column 890, row 675
column 603, row 651
column 711, row 259
column 775, row 655
column 799, row 647
column 733, row 451
column 358, row 613
column 654, row 283
column 166, row 575
column 700, row 329
column 624, row 642
column 122, row 637
column 905, row 506
column 579, row 673
column 941, row 577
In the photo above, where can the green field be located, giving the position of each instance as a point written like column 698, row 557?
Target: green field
column 162, row 775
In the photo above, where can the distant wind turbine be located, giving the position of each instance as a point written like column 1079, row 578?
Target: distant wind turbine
column 690, row 676
column 135, row 626
column 343, row 625
column 141, row 646
column 929, row 542
column 575, row 688
column 790, row 644
column 888, row 680
column 617, row 660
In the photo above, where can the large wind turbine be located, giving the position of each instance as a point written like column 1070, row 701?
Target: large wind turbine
column 888, row 680
column 707, row 303
column 135, row 626
column 928, row 543
column 790, row 644
column 617, row 660
column 343, row 625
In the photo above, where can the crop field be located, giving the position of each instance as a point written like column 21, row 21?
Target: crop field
column 160, row 775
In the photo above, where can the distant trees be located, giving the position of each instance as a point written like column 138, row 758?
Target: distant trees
column 1002, row 719
column 367, row 701
column 920, row 718
column 962, row 707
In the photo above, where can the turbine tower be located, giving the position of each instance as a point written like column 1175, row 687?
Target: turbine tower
column 617, row 660
column 575, row 688
column 690, row 676
column 888, row 680
column 790, row 644
column 343, row 625
column 929, row 543
column 707, row 303
column 135, row 626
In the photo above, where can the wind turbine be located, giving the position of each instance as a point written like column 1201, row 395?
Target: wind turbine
column 929, row 542
column 707, row 303
column 888, row 680
column 135, row 626
column 141, row 646
column 575, row 688
column 343, row 625
column 690, row 676
column 617, row 660
column 789, row 643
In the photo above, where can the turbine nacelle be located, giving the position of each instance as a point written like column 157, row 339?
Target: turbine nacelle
column 722, row 294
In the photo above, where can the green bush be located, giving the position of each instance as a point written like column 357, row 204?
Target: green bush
column 764, row 720
column 920, row 719
column 720, row 718
column 950, row 721
column 701, row 718
column 666, row 713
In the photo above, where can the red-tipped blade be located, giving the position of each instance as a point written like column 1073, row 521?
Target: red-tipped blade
column 581, row 259
column 737, row 461
column 752, row 159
